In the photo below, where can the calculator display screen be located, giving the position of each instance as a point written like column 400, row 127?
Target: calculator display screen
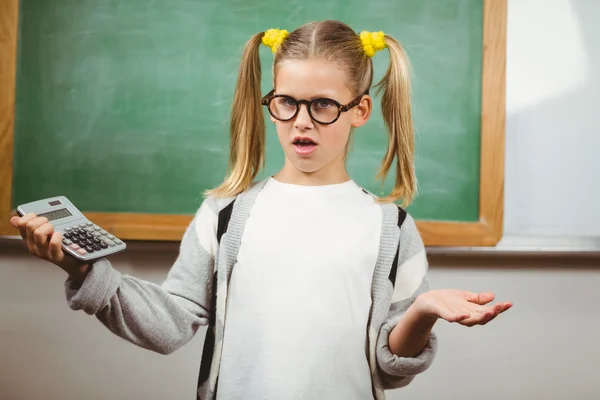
column 52, row 215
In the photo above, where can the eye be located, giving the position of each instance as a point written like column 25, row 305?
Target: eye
column 286, row 101
column 323, row 103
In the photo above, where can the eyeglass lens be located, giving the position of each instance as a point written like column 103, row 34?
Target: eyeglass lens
column 321, row 110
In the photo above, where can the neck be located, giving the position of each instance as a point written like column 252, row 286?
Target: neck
column 328, row 175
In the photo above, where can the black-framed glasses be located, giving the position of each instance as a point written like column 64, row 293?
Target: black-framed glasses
column 322, row 110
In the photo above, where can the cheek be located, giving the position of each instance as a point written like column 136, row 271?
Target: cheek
column 340, row 131
column 283, row 130
column 335, row 139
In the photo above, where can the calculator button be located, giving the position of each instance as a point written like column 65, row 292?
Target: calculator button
column 88, row 235
column 96, row 240
column 89, row 229
column 102, row 231
column 81, row 231
column 74, row 246
column 96, row 234
column 97, row 228
column 89, row 249
column 67, row 235
column 67, row 242
column 97, row 247
column 117, row 241
column 111, row 237
column 89, row 224
column 82, row 251
column 68, row 229
column 108, row 242
column 103, row 245
column 89, row 242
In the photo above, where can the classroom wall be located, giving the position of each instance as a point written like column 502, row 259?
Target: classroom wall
column 544, row 348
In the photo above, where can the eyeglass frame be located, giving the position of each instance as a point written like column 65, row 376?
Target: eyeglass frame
column 266, row 101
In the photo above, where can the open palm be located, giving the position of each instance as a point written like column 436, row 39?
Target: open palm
column 460, row 306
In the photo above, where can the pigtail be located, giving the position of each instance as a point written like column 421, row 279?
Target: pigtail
column 247, row 125
column 397, row 114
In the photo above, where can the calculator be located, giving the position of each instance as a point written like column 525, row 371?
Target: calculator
column 82, row 239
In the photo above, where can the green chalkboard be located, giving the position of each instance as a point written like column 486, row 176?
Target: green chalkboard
column 123, row 105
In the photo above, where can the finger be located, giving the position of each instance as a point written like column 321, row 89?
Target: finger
column 501, row 307
column 22, row 224
column 479, row 315
column 489, row 319
column 456, row 314
column 479, row 298
column 55, row 249
column 498, row 309
column 41, row 238
column 32, row 225
column 14, row 220
column 42, row 235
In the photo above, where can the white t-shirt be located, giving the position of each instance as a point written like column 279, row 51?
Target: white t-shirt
column 300, row 295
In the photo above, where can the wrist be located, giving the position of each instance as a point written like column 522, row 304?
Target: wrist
column 420, row 312
column 79, row 273
column 410, row 335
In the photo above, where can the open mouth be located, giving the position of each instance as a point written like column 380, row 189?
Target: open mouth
column 304, row 146
column 304, row 142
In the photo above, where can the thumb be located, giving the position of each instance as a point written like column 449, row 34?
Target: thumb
column 13, row 222
column 480, row 298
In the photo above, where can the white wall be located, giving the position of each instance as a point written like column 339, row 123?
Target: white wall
column 553, row 119
column 546, row 347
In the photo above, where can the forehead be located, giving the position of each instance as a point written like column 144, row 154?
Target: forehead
column 305, row 79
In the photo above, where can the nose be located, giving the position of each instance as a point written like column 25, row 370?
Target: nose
column 303, row 120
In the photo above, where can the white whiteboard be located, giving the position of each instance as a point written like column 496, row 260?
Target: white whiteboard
column 553, row 119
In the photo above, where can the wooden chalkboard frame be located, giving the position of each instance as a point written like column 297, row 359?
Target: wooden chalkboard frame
column 485, row 232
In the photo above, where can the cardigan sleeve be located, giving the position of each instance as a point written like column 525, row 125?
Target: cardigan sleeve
column 411, row 281
column 161, row 318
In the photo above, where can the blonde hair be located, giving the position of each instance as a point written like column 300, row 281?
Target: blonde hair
column 336, row 42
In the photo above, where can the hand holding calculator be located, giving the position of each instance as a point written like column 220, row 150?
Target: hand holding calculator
column 82, row 239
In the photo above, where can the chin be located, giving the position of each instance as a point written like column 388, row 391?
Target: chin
column 306, row 166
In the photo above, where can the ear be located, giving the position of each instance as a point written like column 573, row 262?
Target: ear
column 363, row 111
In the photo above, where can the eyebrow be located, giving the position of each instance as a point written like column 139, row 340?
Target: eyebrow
column 318, row 96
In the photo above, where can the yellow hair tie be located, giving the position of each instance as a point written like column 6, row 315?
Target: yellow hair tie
column 372, row 42
column 274, row 37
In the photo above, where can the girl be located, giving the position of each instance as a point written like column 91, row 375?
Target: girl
column 312, row 288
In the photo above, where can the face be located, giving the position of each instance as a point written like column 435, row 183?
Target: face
column 310, row 147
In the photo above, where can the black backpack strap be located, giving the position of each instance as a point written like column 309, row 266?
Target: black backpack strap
column 223, row 220
column 394, row 270
column 209, row 341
